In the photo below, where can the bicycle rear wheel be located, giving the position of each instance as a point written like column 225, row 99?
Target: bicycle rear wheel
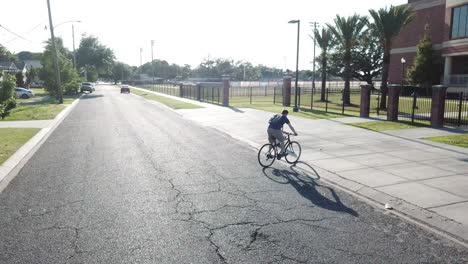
column 293, row 150
column 266, row 155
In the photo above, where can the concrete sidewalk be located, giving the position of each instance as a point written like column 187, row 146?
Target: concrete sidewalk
column 26, row 124
column 424, row 180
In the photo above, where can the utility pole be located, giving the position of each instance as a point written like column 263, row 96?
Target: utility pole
column 314, row 25
column 141, row 51
column 141, row 60
column 243, row 76
column 152, row 59
column 54, row 55
column 74, row 53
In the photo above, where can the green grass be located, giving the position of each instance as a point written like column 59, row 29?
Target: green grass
column 45, row 109
column 13, row 139
column 455, row 140
column 387, row 125
column 172, row 103
column 305, row 113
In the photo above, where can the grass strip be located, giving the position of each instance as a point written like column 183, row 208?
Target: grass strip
column 454, row 140
column 388, row 125
column 13, row 139
column 172, row 103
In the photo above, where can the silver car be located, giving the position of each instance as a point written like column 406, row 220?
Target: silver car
column 23, row 93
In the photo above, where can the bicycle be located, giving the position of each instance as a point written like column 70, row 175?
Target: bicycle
column 269, row 152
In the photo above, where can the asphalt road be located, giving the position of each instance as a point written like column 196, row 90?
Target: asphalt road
column 123, row 180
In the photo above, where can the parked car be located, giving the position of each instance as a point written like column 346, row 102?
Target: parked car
column 37, row 84
column 23, row 93
column 86, row 87
column 124, row 89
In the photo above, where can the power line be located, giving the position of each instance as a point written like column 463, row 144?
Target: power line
column 13, row 33
column 29, row 31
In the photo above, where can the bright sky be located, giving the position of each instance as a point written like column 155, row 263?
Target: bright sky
column 184, row 31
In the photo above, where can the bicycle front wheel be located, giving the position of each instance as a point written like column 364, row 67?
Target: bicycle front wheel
column 266, row 155
column 293, row 150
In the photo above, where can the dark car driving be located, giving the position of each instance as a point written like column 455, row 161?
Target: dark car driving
column 124, row 89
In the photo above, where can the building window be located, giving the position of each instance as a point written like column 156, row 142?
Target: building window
column 460, row 22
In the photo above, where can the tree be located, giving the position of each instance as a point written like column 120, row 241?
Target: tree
column 31, row 75
column 5, row 54
column 7, row 97
column 366, row 61
column 387, row 24
column 95, row 58
column 325, row 41
column 347, row 32
column 19, row 79
column 121, row 71
column 427, row 66
column 69, row 77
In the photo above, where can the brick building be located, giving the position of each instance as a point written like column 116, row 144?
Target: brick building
column 448, row 21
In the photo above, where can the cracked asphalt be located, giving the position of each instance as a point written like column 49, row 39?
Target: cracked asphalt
column 123, row 180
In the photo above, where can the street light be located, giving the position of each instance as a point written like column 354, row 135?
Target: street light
column 69, row 21
column 298, row 22
column 403, row 63
column 73, row 37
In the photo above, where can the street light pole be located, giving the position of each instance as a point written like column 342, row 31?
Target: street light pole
column 141, row 51
column 152, row 59
column 403, row 62
column 296, row 108
column 54, row 55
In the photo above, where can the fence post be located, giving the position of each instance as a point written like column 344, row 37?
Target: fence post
column 378, row 103
column 274, row 95
column 415, row 98
column 342, row 100
column 181, row 90
column 287, row 90
column 312, row 97
column 365, row 100
column 326, row 101
column 393, row 101
column 299, row 97
column 460, row 106
column 438, row 105
column 198, row 92
column 250, row 94
column 226, row 87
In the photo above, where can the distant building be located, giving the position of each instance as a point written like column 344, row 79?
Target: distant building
column 448, row 21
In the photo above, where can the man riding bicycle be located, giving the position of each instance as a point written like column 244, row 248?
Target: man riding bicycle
column 275, row 130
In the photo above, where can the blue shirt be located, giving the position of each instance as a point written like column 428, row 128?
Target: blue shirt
column 279, row 124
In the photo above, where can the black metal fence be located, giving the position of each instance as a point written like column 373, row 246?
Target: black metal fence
column 206, row 93
column 456, row 109
column 415, row 108
column 309, row 98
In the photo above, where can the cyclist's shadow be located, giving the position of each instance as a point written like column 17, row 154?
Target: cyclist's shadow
column 302, row 177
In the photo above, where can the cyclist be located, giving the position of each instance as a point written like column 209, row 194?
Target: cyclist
column 275, row 130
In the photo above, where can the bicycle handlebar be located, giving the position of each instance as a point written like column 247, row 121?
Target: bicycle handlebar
column 289, row 134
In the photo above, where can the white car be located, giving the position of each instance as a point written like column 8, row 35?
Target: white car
column 23, row 93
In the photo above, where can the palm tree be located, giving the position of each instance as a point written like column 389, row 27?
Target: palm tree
column 388, row 23
column 325, row 41
column 347, row 31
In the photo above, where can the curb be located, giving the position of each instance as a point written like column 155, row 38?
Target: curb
column 10, row 168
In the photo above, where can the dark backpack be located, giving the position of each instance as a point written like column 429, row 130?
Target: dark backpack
column 275, row 120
